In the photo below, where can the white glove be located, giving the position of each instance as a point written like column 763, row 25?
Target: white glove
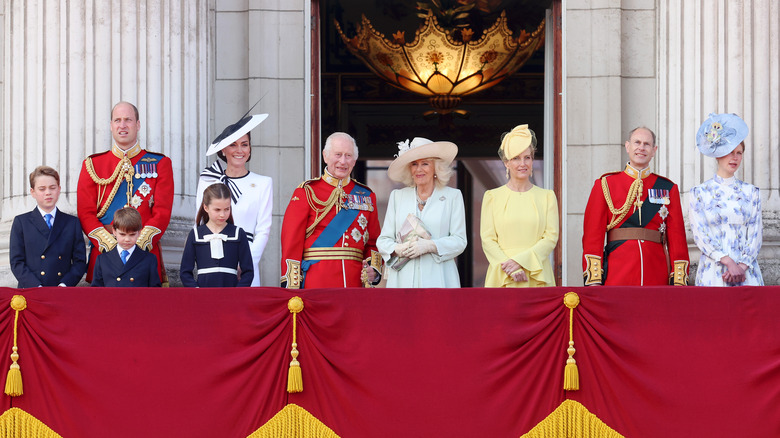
column 400, row 248
column 420, row 247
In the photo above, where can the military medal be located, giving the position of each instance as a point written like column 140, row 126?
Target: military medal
column 154, row 170
column 658, row 196
column 145, row 189
column 663, row 212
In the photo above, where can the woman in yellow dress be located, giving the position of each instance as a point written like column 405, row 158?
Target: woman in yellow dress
column 519, row 226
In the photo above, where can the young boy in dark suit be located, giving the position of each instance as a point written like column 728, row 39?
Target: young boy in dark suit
column 47, row 246
column 127, row 265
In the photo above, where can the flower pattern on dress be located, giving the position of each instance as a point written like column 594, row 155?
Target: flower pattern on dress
column 725, row 219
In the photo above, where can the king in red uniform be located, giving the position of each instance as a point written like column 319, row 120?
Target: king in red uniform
column 126, row 175
column 330, row 226
column 639, row 213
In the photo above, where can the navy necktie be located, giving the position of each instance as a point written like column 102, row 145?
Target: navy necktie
column 48, row 218
column 124, row 255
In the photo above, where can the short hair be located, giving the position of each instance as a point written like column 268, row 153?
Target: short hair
column 43, row 171
column 631, row 132
column 212, row 192
column 221, row 155
column 119, row 103
column 335, row 135
column 128, row 219
column 442, row 173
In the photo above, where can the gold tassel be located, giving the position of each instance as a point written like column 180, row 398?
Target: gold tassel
column 571, row 375
column 13, row 382
column 294, row 375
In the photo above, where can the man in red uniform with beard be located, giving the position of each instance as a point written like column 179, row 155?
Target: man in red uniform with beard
column 330, row 226
column 639, row 213
column 125, row 175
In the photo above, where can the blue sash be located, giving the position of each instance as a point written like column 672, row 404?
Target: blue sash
column 149, row 160
column 336, row 228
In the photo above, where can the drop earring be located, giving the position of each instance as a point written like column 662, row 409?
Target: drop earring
column 507, row 173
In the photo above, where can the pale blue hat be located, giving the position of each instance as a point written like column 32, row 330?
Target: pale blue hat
column 720, row 134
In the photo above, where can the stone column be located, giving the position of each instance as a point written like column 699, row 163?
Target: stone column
column 609, row 66
column 65, row 63
column 722, row 58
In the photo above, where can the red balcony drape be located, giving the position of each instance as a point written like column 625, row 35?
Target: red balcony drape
column 653, row 361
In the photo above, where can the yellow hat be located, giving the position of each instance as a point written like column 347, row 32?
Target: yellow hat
column 516, row 141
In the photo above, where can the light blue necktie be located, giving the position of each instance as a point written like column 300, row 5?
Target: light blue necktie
column 124, row 255
column 48, row 218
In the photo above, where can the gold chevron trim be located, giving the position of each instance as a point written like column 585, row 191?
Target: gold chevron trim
column 293, row 422
column 16, row 423
column 571, row 419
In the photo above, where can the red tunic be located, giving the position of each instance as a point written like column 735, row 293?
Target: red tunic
column 355, row 241
column 633, row 262
column 151, row 194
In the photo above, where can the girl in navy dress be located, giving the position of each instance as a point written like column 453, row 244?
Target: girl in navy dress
column 218, row 247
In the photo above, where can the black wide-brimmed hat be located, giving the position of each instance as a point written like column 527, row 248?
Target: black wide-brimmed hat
column 234, row 132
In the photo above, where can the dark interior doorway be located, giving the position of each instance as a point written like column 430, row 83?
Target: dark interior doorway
column 378, row 115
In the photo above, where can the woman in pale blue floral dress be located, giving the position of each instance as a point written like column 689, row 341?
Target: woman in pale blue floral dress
column 725, row 212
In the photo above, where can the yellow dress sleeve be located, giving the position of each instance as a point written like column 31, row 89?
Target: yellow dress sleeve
column 487, row 231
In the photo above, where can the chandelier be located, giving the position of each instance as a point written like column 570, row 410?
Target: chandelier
column 444, row 64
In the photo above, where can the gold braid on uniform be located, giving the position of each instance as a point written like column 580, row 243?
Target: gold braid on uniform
column 634, row 191
column 335, row 199
column 124, row 169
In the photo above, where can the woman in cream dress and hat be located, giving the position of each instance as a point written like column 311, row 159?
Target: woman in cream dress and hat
column 519, row 223
column 725, row 212
column 424, row 167
column 251, row 194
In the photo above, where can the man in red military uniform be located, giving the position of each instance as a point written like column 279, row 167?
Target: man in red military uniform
column 639, row 213
column 126, row 175
column 330, row 227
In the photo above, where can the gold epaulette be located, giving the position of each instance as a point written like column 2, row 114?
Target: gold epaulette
column 307, row 182
column 362, row 185
column 609, row 174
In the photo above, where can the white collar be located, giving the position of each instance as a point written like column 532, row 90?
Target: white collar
column 129, row 251
column 53, row 213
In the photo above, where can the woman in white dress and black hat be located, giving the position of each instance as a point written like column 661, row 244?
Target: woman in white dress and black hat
column 251, row 194
column 424, row 258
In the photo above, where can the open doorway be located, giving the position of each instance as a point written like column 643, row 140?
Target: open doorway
column 353, row 99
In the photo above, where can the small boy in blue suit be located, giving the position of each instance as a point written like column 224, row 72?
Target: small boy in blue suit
column 47, row 246
column 127, row 265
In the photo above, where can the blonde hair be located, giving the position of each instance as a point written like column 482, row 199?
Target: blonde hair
column 442, row 173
